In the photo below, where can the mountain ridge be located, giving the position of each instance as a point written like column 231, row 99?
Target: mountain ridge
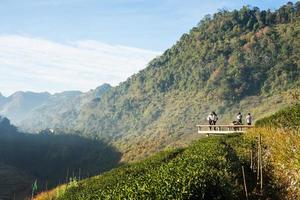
column 21, row 105
column 243, row 60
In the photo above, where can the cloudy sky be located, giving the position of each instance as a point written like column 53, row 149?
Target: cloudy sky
column 57, row 45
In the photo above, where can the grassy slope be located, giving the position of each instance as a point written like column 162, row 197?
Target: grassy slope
column 208, row 169
column 280, row 134
column 285, row 118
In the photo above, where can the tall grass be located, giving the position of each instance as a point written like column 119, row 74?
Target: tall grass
column 282, row 156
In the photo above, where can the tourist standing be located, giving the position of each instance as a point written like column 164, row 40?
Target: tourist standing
column 215, row 118
column 239, row 118
column 210, row 119
column 249, row 119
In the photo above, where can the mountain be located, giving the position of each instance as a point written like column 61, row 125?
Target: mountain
column 19, row 104
column 2, row 100
column 35, row 108
column 243, row 60
column 61, row 110
column 246, row 60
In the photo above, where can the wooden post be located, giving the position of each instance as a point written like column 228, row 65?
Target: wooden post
column 261, row 169
column 251, row 160
column 245, row 185
column 258, row 164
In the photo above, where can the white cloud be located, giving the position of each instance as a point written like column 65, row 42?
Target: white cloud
column 40, row 65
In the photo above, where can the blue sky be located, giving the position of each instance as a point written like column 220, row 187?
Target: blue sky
column 149, row 24
column 41, row 40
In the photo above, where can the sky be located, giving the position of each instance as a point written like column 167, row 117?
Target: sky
column 58, row 45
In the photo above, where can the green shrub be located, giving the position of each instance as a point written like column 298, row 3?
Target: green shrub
column 202, row 171
column 285, row 118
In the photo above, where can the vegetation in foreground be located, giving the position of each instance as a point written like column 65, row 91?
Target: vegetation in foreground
column 280, row 135
column 208, row 169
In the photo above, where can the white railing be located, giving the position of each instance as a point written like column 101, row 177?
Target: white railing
column 222, row 129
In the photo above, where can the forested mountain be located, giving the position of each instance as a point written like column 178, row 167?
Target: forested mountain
column 243, row 60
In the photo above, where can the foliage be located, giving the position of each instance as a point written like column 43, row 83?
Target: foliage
column 288, row 118
column 280, row 134
column 232, row 61
column 282, row 158
column 205, row 170
column 224, row 61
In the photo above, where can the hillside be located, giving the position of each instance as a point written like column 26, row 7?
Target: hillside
column 208, row 169
column 288, row 118
column 205, row 170
column 280, row 135
column 14, row 183
column 243, row 60
column 51, row 159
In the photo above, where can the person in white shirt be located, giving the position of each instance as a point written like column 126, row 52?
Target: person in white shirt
column 239, row 118
column 249, row 119
column 212, row 119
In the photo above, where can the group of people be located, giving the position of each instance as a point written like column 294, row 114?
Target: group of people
column 212, row 119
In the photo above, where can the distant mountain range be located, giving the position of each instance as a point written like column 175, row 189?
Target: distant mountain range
column 19, row 104
column 27, row 106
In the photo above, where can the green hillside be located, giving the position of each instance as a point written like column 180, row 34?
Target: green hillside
column 280, row 135
column 286, row 118
column 243, row 60
column 232, row 61
column 208, row 169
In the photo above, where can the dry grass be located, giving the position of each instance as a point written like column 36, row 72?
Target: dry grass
column 282, row 154
column 51, row 194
